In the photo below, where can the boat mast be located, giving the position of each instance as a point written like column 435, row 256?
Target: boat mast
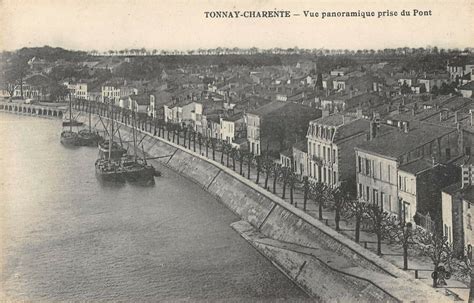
column 70, row 113
column 90, row 115
column 134, row 134
column 111, row 141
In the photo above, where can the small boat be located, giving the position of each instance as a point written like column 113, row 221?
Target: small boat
column 115, row 152
column 68, row 137
column 88, row 138
column 109, row 171
column 108, row 167
column 137, row 170
column 72, row 123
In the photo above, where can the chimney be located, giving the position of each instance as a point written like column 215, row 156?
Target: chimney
column 372, row 130
column 325, row 113
column 400, row 125
column 470, row 114
column 343, row 119
column 433, row 161
column 413, row 112
column 406, row 126
column 359, row 113
column 456, row 117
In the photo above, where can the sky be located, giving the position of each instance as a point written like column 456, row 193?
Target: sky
column 162, row 24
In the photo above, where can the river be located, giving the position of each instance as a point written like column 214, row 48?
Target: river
column 64, row 236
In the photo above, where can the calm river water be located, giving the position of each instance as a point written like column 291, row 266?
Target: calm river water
column 66, row 237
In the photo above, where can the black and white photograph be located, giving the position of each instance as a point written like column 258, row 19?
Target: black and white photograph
column 236, row 151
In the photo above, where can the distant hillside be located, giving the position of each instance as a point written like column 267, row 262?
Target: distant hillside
column 50, row 53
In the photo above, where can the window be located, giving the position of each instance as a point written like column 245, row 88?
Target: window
column 359, row 163
column 382, row 200
column 367, row 194
column 360, row 190
column 367, row 167
column 329, row 154
column 448, row 153
column 335, row 178
column 334, row 155
column 375, row 196
column 324, row 153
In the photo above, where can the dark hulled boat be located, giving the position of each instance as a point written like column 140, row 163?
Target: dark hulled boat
column 68, row 137
column 109, row 171
column 108, row 167
column 88, row 138
column 137, row 169
column 72, row 123
column 111, row 150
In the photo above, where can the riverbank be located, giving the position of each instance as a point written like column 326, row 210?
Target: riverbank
column 354, row 269
column 281, row 224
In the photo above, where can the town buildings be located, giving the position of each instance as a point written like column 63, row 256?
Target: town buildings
column 393, row 168
column 331, row 142
column 278, row 124
column 457, row 211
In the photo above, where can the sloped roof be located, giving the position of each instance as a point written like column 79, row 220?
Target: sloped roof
column 468, row 86
column 397, row 143
column 416, row 166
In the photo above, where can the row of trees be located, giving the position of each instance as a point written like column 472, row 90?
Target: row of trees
column 341, row 200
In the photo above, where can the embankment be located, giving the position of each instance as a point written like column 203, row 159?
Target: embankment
column 324, row 263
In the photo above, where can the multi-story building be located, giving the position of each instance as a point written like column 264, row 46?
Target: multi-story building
column 188, row 112
column 457, row 205
column 78, row 89
column 300, row 158
column 331, row 142
column 392, row 170
column 111, row 92
column 277, row 125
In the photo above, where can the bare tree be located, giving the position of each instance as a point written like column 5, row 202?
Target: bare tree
column 340, row 199
column 381, row 224
column 357, row 210
column 403, row 234
column 437, row 248
column 319, row 193
column 267, row 168
column 276, row 173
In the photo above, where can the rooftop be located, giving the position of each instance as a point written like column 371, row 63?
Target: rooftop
column 467, row 192
column 301, row 145
column 416, row 166
column 397, row 143
column 468, row 86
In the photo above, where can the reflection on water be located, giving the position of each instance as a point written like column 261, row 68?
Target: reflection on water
column 66, row 236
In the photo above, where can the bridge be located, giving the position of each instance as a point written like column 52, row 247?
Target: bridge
column 32, row 109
